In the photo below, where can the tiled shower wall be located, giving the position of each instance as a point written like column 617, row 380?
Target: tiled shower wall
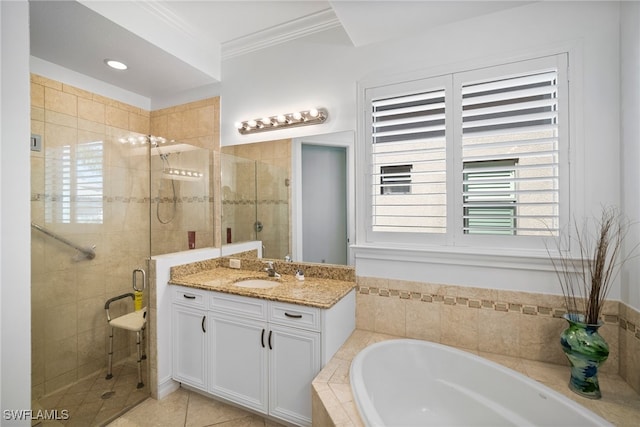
column 195, row 124
column 520, row 324
column 69, row 332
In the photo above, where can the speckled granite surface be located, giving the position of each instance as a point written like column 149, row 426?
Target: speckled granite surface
column 323, row 285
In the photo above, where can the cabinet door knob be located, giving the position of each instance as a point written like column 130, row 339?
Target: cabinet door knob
column 262, row 339
column 270, row 348
column 294, row 316
column 203, row 328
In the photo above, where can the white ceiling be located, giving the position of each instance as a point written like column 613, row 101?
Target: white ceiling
column 176, row 46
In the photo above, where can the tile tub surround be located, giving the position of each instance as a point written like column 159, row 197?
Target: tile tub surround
column 333, row 403
column 314, row 291
column 516, row 324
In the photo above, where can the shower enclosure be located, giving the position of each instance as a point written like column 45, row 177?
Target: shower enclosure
column 104, row 200
column 255, row 204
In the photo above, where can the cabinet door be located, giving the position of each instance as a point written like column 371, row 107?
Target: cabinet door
column 189, row 339
column 238, row 361
column 294, row 360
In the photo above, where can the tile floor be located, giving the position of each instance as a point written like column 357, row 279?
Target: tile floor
column 189, row 409
column 94, row 401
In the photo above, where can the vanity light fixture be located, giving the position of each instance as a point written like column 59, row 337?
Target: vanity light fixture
column 281, row 121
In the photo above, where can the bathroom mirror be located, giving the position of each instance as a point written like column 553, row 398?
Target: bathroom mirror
column 294, row 195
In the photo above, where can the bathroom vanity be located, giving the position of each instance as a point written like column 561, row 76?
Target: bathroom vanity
column 256, row 345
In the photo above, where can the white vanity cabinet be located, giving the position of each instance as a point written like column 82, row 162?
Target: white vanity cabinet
column 264, row 355
column 294, row 361
column 189, row 335
column 237, row 343
column 259, row 354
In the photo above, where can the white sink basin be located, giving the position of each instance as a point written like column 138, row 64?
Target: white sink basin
column 257, row 283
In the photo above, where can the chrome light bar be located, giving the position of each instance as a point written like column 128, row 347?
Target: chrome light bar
column 282, row 121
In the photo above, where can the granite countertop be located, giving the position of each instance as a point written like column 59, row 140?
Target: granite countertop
column 322, row 292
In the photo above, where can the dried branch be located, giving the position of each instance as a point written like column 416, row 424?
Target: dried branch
column 586, row 281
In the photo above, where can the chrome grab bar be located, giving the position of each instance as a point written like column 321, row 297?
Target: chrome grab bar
column 135, row 281
column 89, row 253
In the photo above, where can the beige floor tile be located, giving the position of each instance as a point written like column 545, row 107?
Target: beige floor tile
column 203, row 411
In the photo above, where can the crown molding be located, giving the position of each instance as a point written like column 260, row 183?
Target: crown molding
column 288, row 31
column 169, row 18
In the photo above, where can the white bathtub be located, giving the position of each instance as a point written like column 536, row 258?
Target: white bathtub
column 418, row 383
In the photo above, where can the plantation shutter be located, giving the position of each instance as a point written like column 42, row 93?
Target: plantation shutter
column 74, row 184
column 58, row 186
column 89, row 183
column 510, row 154
column 409, row 162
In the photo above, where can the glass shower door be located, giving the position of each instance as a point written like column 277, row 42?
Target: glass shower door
column 90, row 215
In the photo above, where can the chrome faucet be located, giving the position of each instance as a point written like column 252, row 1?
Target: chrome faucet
column 271, row 270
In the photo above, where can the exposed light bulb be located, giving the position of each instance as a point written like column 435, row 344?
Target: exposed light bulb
column 299, row 118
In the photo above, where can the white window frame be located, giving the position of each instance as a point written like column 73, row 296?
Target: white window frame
column 403, row 88
column 455, row 238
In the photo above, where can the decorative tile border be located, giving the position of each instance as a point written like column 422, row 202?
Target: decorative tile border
column 36, row 197
column 504, row 306
column 255, row 202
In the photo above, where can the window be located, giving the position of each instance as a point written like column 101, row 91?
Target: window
column 395, row 179
column 409, row 130
column 489, row 197
column 74, row 184
column 470, row 154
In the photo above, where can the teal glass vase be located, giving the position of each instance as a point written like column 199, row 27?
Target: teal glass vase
column 586, row 351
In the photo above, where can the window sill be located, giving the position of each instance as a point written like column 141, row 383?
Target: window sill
column 468, row 257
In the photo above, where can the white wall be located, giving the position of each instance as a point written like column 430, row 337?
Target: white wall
column 15, row 255
column 630, row 93
column 323, row 70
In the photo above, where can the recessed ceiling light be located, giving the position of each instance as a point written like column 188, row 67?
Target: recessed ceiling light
column 117, row 65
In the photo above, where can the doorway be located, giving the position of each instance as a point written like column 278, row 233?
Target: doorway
column 324, row 204
column 322, row 198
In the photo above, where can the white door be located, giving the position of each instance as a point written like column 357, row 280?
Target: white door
column 294, row 361
column 239, row 361
column 324, row 204
column 189, row 346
